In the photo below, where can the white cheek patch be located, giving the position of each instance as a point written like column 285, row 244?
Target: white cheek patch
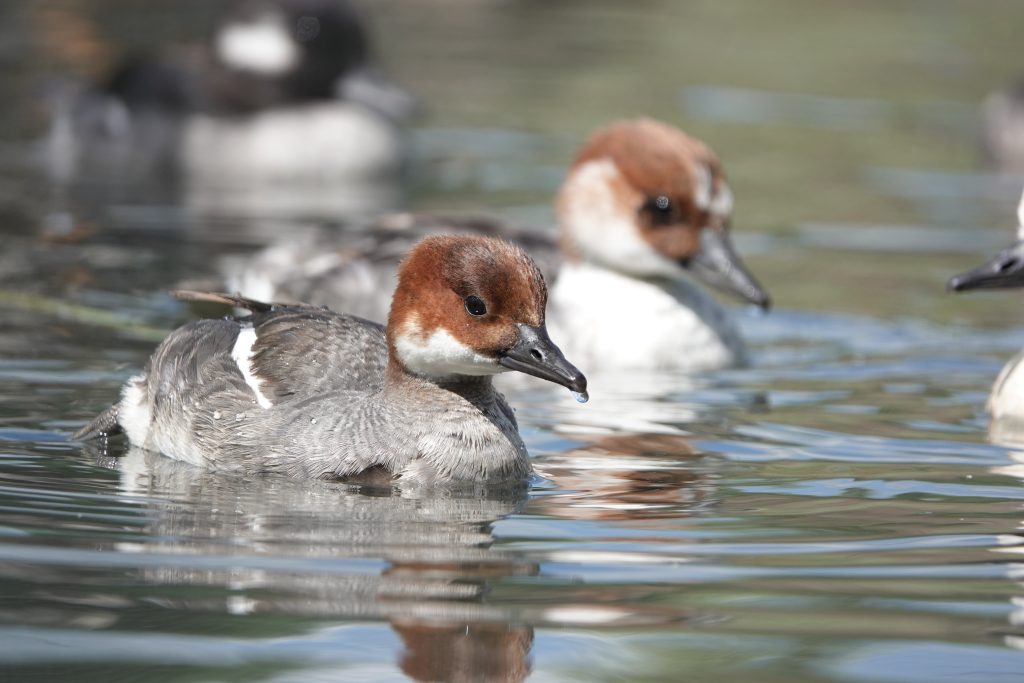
column 241, row 353
column 261, row 46
column 439, row 354
column 604, row 231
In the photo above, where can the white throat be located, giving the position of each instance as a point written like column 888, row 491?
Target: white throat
column 439, row 354
column 605, row 320
column 241, row 353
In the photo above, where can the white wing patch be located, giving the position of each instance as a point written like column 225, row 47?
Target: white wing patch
column 241, row 353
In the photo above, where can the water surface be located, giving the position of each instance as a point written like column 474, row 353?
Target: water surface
column 834, row 513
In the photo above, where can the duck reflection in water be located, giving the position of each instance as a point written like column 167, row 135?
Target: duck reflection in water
column 629, row 477
column 284, row 548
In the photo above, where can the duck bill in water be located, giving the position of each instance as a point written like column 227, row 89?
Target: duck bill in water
column 1004, row 270
column 717, row 264
column 535, row 354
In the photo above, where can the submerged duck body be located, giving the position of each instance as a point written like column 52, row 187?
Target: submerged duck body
column 1003, row 271
column 307, row 392
column 644, row 214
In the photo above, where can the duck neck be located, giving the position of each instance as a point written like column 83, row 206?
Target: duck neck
column 477, row 389
column 460, row 427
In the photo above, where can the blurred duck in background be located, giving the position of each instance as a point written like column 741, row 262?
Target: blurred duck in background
column 283, row 111
column 643, row 214
column 1005, row 270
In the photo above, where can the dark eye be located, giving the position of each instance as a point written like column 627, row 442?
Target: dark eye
column 660, row 209
column 475, row 305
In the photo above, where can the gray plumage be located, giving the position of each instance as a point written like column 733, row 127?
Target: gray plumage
column 337, row 412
